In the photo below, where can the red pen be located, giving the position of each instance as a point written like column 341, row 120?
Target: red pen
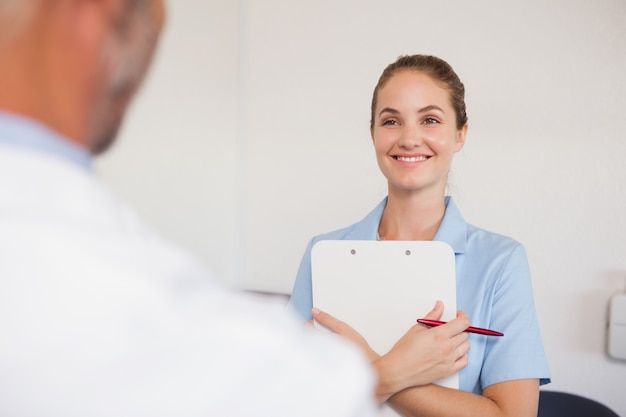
column 478, row 330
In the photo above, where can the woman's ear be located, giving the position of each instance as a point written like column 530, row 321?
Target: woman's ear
column 460, row 138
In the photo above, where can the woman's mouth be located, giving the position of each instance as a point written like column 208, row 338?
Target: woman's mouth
column 411, row 158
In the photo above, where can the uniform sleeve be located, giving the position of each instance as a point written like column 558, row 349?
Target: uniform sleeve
column 302, row 295
column 519, row 354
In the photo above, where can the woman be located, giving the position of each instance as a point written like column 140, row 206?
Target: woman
column 418, row 123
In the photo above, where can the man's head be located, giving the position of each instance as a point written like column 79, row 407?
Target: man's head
column 125, row 58
column 76, row 64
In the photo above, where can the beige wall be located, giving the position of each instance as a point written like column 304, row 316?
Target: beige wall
column 252, row 135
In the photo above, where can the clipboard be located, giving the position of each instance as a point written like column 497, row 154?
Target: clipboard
column 381, row 288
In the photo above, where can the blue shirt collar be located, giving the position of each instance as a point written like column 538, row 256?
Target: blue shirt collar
column 22, row 132
column 453, row 228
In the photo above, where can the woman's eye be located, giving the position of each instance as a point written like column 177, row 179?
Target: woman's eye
column 431, row 121
column 390, row 122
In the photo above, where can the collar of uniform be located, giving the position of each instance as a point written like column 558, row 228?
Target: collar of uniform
column 22, row 132
column 452, row 230
column 367, row 229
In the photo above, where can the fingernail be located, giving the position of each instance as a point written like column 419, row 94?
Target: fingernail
column 315, row 311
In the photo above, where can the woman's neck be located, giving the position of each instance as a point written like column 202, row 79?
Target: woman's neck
column 411, row 217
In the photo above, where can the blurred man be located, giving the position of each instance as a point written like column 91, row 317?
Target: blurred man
column 98, row 316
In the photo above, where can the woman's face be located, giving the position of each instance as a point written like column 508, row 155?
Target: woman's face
column 414, row 133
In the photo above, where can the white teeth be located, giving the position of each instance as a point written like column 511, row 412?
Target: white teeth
column 412, row 158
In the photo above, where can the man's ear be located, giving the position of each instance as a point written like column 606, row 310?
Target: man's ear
column 460, row 138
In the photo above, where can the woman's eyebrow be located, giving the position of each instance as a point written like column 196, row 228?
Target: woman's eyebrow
column 430, row 108
column 422, row 110
column 388, row 110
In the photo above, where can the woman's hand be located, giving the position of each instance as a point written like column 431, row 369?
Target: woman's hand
column 420, row 357
column 423, row 356
column 343, row 329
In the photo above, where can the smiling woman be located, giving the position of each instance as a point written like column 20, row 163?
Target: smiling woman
column 415, row 137
column 418, row 123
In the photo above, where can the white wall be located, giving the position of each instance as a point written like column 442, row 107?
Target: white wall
column 252, row 135
column 177, row 157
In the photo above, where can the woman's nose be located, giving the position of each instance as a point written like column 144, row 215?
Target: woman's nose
column 410, row 137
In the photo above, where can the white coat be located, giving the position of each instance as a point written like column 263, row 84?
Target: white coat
column 100, row 317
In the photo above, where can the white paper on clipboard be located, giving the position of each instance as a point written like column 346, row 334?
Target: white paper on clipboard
column 381, row 288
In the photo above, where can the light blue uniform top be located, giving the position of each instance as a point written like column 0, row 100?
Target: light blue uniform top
column 24, row 133
column 493, row 288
